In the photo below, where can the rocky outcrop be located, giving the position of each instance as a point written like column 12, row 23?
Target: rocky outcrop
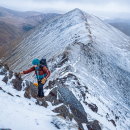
column 93, row 107
column 72, row 108
column 42, row 102
column 94, row 125
column 64, row 112
column 5, row 79
column 31, row 90
column 17, row 83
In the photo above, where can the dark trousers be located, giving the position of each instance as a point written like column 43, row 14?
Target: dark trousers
column 40, row 89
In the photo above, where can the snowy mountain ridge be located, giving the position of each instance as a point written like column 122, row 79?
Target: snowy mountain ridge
column 85, row 55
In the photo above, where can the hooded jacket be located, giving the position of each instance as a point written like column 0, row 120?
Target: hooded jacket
column 42, row 74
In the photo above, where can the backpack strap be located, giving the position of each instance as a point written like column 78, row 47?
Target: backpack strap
column 42, row 67
column 42, row 70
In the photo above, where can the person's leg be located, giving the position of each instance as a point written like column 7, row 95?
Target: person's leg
column 40, row 89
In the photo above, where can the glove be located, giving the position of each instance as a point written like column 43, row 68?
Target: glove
column 20, row 73
column 43, row 81
column 36, row 84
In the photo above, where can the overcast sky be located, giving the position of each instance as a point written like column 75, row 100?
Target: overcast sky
column 67, row 5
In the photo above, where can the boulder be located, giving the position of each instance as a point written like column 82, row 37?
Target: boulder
column 10, row 74
column 42, row 102
column 94, row 125
column 53, row 99
column 64, row 95
column 31, row 90
column 17, row 84
column 5, row 79
column 93, row 107
column 63, row 111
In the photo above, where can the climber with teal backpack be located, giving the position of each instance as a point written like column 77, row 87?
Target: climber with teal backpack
column 42, row 73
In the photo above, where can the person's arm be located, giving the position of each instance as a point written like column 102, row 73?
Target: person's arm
column 46, row 71
column 29, row 70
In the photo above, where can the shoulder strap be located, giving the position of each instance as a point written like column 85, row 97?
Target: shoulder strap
column 42, row 67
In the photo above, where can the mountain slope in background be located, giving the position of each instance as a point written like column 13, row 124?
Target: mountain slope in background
column 124, row 27
column 13, row 24
column 121, row 24
column 86, row 56
column 117, row 20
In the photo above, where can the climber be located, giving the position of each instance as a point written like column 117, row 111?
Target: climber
column 41, row 73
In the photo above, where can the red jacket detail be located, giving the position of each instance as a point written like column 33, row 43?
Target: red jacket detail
column 45, row 70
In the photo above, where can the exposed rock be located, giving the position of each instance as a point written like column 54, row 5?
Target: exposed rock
column 63, row 110
column 17, row 95
column 93, row 107
column 50, row 84
column 5, row 79
column 78, row 116
column 6, row 66
column 67, row 97
column 113, row 122
column 27, row 93
column 80, row 127
column 56, row 125
column 31, row 90
column 116, row 117
column 10, row 94
column 94, row 125
column 1, row 88
column 10, row 74
column 53, row 99
column 3, row 71
column 17, row 84
column 42, row 102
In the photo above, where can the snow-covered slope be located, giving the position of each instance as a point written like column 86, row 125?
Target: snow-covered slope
column 88, row 56
column 20, row 113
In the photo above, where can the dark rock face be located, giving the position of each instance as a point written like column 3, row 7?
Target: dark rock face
column 66, row 96
column 27, row 93
column 94, row 125
column 93, row 107
column 17, row 95
column 17, row 83
column 68, row 78
column 42, row 102
column 6, row 66
column 113, row 122
column 52, row 97
column 10, row 74
column 64, row 112
column 10, row 94
column 31, row 90
column 3, row 71
column 5, row 79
